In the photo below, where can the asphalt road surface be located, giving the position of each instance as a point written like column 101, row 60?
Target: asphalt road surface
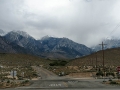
column 50, row 81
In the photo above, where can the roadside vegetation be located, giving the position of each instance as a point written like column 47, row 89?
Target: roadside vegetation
column 87, row 66
column 12, row 83
column 92, row 64
column 58, row 63
column 21, row 66
column 112, row 82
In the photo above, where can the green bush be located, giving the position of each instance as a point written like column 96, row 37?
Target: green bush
column 100, row 73
column 8, row 81
column 35, row 75
column 20, row 78
column 58, row 63
column 110, row 73
column 113, row 82
column 26, row 81
column 110, row 79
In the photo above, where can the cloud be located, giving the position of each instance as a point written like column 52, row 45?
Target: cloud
column 84, row 21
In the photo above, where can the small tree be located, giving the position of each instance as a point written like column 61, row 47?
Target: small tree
column 99, row 73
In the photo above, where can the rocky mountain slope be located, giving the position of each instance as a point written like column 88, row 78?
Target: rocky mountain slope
column 47, row 47
column 64, row 46
column 23, row 40
column 5, row 47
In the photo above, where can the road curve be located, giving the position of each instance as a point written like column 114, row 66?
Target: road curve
column 44, row 73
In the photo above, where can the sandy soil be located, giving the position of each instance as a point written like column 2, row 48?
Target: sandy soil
column 82, row 75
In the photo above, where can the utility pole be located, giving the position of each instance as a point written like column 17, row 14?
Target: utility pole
column 96, row 61
column 91, row 62
column 103, row 57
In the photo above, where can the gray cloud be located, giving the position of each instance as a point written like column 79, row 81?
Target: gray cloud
column 84, row 21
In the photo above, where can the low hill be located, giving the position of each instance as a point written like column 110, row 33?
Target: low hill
column 111, row 58
column 9, row 59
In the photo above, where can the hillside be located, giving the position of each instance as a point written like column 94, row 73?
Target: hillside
column 7, row 59
column 111, row 58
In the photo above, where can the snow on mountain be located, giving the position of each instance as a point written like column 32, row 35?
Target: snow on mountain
column 45, row 37
column 19, row 37
column 65, row 45
column 2, row 32
column 22, row 33
column 48, row 46
column 53, row 47
column 110, row 43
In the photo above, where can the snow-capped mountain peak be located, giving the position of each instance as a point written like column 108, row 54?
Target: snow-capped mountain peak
column 45, row 37
column 61, row 47
column 22, row 33
column 2, row 33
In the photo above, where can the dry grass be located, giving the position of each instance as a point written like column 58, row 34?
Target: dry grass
column 22, row 64
column 21, row 60
column 13, row 84
column 111, row 58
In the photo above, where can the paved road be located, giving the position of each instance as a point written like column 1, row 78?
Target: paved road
column 45, row 74
column 51, row 81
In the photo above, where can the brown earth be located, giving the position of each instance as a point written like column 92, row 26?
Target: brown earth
column 82, row 75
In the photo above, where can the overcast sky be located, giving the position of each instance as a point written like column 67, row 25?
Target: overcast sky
column 83, row 21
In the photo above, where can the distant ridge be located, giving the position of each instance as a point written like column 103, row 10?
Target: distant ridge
column 47, row 47
column 110, row 43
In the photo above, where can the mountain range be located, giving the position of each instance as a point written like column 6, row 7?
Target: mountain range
column 47, row 47
column 109, row 43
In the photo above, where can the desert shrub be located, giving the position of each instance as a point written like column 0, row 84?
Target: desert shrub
column 35, row 75
column 26, row 81
column 8, row 81
column 113, row 82
column 20, row 78
column 100, row 73
column 58, row 63
column 110, row 73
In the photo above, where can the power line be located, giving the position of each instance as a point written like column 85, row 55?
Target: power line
column 117, row 26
